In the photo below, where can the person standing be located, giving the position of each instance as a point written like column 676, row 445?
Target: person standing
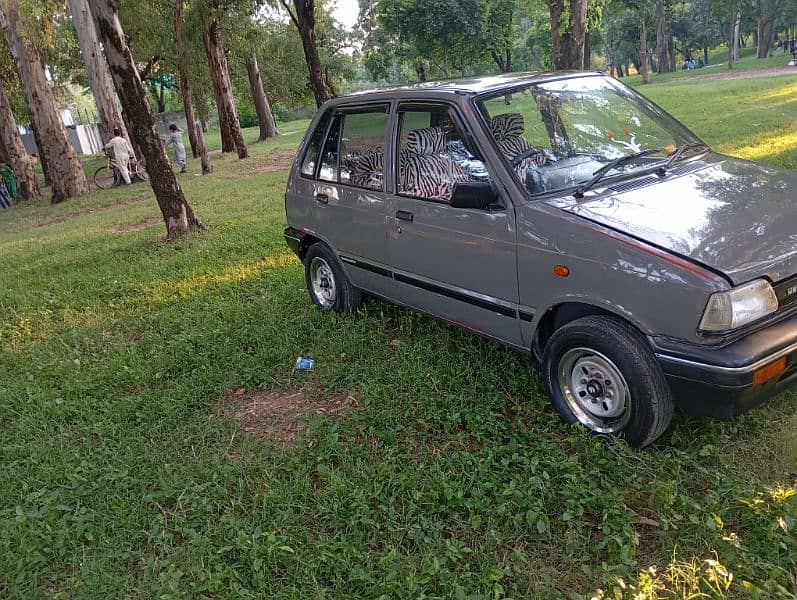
column 121, row 153
column 7, row 175
column 176, row 140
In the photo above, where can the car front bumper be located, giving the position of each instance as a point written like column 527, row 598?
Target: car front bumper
column 721, row 381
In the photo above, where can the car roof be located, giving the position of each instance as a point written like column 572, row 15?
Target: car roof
column 471, row 86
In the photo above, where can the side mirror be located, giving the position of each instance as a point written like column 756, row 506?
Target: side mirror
column 473, row 194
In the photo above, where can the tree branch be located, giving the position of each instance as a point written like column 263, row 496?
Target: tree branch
column 148, row 68
column 290, row 13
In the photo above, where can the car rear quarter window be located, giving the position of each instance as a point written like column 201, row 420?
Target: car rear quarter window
column 310, row 159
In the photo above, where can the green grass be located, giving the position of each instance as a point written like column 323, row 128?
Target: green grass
column 718, row 66
column 450, row 478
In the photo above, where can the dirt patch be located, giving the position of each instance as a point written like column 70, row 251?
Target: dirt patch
column 131, row 227
column 45, row 218
column 279, row 160
column 279, row 416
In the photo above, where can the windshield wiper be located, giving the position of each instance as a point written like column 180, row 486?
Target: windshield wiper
column 662, row 171
column 600, row 173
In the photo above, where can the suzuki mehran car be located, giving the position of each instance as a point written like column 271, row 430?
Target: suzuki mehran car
column 569, row 217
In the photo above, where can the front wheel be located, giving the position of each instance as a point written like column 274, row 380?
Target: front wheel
column 140, row 175
column 327, row 283
column 105, row 177
column 600, row 372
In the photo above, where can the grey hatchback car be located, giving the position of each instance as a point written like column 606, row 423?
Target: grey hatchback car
column 567, row 216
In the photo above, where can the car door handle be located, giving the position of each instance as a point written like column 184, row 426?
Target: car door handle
column 322, row 198
column 404, row 215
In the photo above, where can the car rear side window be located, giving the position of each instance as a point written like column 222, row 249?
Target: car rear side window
column 310, row 159
column 353, row 152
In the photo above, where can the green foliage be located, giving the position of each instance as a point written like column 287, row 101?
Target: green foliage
column 443, row 31
column 449, row 477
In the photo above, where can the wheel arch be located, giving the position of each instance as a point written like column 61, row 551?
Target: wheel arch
column 564, row 312
column 305, row 242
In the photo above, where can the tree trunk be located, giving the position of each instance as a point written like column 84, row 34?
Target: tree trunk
column 766, row 27
column 42, row 159
column 67, row 176
column 705, row 55
column 195, row 134
column 420, row 69
column 569, row 44
column 268, row 128
column 733, row 41
column 578, row 32
column 663, row 40
column 177, row 214
column 587, row 51
column 643, row 50
column 222, row 87
column 160, row 98
column 303, row 17
column 14, row 151
column 559, row 41
column 108, row 108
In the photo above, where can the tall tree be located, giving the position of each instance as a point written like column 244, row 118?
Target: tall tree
column 108, row 109
column 177, row 214
column 303, row 16
column 765, row 26
column 733, row 33
column 66, row 172
column 498, row 29
column 195, row 134
column 643, row 43
column 568, row 33
column 268, row 128
column 14, row 151
column 232, row 138
column 665, row 58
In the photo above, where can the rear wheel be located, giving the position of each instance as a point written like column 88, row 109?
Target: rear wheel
column 600, row 372
column 105, row 177
column 327, row 283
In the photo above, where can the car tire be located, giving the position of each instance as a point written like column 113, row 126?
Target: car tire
column 327, row 283
column 600, row 371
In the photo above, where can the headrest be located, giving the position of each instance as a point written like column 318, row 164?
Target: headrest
column 509, row 125
column 430, row 140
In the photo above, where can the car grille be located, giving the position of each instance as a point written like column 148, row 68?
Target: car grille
column 786, row 291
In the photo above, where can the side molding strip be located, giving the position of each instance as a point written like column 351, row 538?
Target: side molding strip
column 430, row 287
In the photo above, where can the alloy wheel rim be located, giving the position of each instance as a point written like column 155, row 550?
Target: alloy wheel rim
column 595, row 390
column 323, row 282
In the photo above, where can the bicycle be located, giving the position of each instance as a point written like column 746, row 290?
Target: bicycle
column 108, row 175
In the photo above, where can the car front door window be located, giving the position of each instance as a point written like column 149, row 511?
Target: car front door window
column 433, row 154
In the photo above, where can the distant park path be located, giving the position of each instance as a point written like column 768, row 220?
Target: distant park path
column 743, row 74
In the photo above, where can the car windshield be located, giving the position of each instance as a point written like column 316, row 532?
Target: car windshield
column 558, row 134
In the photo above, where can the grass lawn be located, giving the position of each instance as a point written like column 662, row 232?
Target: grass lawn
column 718, row 66
column 135, row 463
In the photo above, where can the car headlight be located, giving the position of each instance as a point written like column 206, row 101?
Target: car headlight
column 739, row 306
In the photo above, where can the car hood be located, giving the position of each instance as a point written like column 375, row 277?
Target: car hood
column 732, row 215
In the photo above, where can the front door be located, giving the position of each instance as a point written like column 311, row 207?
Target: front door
column 458, row 264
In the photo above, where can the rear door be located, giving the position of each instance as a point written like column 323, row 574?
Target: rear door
column 348, row 193
column 458, row 264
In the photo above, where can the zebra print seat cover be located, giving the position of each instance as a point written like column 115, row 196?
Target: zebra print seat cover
column 366, row 171
column 426, row 170
column 508, row 133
